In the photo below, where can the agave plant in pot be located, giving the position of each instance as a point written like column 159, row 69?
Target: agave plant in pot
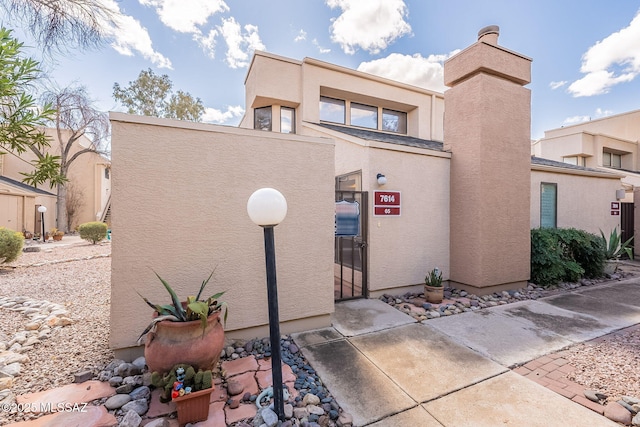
column 187, row 332
column 433, row 289
column 614, row 248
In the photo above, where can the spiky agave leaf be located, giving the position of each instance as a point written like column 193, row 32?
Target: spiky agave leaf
column 204, row 284
column 180, row 312
column 152, row 326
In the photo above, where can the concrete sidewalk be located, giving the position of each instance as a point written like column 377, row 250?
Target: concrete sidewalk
column 387, row 370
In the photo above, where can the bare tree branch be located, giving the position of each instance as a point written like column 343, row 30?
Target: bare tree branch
column 63, row 24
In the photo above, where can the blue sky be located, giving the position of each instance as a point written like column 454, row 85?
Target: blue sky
column 586, row 54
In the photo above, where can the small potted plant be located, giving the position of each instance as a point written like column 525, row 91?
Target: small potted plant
column 614, row 248
column 188, row 389
column 56, row 234
column 433, row 289
column 185, row 331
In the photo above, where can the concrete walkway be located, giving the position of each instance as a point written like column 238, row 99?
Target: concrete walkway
column 387, row 370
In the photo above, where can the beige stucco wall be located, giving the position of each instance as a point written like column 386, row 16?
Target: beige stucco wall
column 401, row 249
column 279, row 81
column 574, row 210
column 179, row 200
column 490, row 167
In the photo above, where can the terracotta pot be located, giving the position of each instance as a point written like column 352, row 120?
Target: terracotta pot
column 57, row 237
column 434, row 294
column 193, row 407
column 184, row 342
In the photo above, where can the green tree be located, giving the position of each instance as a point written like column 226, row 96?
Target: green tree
column 151, row 95
column 74, row 117
column 21, row 120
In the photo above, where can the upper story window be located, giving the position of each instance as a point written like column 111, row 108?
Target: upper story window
column 394, row 121
column 107, row 173
column 287, row 120
column 332, row 110
column 611, row 160
column 575, row 160
column 364, row 116
column 262, row 118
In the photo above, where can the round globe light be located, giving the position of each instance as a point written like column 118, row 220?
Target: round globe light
column 267, row 207
column 42, row 209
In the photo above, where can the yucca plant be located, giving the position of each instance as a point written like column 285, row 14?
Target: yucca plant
column 195, row 307
column 614, row 248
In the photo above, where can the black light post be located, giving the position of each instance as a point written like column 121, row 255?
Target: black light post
column 267, row 208
column 42, row 210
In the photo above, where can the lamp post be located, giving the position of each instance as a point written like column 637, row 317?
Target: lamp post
column 267, row 208
column 42, row 210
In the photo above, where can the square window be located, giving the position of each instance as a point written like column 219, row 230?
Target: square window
column 394, row 121
column 262, row 118
column 364, row 116
column 332, row 110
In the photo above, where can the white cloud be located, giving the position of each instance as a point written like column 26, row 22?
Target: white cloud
column 302, row 35
column 575, row 119
column 320, row 48
column 579, row 119
column 208, row 42
column 240, row 45
column 186, row 15
column 556, row 85
column 212, row 115
column 371, row 25
column 613, row 60
column 129, row 36
column 414, row 69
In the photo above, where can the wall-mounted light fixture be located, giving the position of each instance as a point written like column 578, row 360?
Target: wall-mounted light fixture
column 382, row 180
column 620, row 194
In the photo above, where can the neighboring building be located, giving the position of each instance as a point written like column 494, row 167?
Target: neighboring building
column 608, row 144
column 89, row 185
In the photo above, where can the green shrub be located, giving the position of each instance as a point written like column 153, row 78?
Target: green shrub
column 565, row 255
column 10, row 245
column 93, row 231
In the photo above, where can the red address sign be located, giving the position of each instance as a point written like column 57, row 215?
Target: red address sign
column 381, row 211
column 386, row 198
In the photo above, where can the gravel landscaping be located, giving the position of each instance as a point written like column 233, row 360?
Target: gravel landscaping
column 77, row 278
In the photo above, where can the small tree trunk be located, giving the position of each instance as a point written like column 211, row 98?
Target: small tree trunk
column 61, row 209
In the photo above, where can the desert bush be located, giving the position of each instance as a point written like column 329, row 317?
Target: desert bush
column 10, row 245
column 93, row 231
column 565, row 255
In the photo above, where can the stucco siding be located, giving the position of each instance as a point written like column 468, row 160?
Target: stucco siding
column 179, row 207
column 574, row 209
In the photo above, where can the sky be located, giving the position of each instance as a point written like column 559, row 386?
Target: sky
column 585, row 53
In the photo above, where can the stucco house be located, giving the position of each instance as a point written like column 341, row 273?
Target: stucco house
column 89, row 185
column 458, row 191
column 608, row 144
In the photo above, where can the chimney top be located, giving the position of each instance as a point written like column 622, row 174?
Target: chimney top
column 489, row 34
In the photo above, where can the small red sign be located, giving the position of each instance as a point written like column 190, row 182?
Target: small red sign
column 615, row 213
column 386, row 203
column 386, row 198
column 615, row 205
column 381, row 211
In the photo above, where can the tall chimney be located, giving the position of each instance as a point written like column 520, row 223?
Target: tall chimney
column 487, row 128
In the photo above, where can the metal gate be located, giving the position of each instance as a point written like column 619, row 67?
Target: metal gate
column 351, row 265
column 627, row 226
